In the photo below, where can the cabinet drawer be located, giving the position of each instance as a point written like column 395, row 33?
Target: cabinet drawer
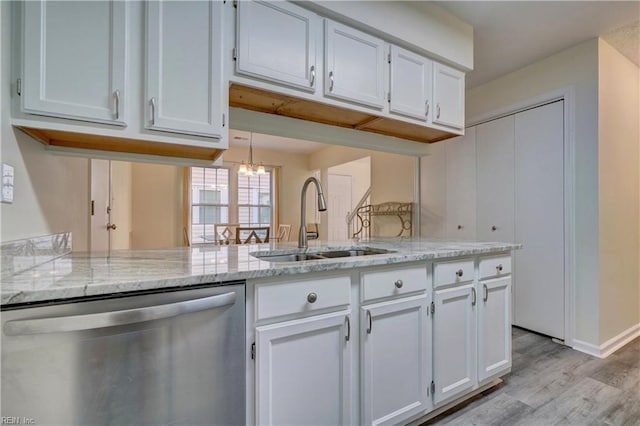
column 447, row 273
column 495, row 266
column 297, row 297
column 393, row 282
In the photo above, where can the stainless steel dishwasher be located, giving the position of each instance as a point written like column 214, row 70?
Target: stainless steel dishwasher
column 159, row 358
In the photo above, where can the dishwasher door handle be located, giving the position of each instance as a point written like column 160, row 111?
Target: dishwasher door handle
column 116, row 318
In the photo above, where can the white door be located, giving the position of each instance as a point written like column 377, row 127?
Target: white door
column 433, row 192
column 539, row 210
column 411, row 83
column 100, row 205
column 74, row 60
column 494, row 327
column 184, row 67
column 495, row 180
column 339, row 205
column 276, row 41
column 461, row 186
column 396, row 360
column 303, row 371
column 454, row 342
column 354, row 65
column 448, row 96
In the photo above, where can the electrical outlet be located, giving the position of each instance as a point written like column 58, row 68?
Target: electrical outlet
column 7, row 183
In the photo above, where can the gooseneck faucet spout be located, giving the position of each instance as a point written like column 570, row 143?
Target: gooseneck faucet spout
column 322, row 206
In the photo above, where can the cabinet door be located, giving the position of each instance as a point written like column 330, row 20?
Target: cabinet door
column 74, row 60
column 354, row 65
column 461, row 186
column 454, row 342
column 411, row 83
column 276, row 41
column 495, row 173
column 539, row 207
column 395, row 360
column 448, row 96
column 303, row 370
column 184, row 67
column 494, row 327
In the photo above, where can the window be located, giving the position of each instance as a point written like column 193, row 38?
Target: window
column 209, row 202
column 221, row 195
column 254, row 200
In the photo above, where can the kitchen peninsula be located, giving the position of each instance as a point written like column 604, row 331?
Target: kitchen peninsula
column 380, row 339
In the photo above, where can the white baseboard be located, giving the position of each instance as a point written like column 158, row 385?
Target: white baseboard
column 610, row 346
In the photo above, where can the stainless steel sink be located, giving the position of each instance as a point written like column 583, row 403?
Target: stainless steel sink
column 327, row 254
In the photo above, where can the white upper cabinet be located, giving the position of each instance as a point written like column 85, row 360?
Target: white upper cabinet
column 495, row 186
column 74, row 60
column 354, row 66
column 276, row 41
column 448, row 96
column 410, row 84
column 184, row 67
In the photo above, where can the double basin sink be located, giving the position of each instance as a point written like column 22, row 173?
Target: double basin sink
column 327, row 254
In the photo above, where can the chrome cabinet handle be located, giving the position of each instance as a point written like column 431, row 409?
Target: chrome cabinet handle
column 152, row 102
column 473, row 296
column 499, row 268
column 111, row 226
column 369, row 322
column 348, row 336
column 331, row 81
column 438, row 110
column 494, row 228
column 426, row 114
column 116, row 318
column 313, row 75
column 485, row 290
column 459, row 273
column 399, row 284
column 116, row 97
column 312, row 297
column 460, row 227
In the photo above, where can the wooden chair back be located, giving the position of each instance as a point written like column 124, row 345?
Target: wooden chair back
column 284, row 232
column 251, row 234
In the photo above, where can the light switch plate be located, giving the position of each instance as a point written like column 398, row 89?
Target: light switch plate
column 7, row 183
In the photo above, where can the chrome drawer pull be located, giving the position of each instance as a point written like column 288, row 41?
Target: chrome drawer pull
column 459, row 273
column 312, row 297
column 399, row 284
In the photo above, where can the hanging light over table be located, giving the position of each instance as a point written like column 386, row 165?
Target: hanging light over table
column 250, row 168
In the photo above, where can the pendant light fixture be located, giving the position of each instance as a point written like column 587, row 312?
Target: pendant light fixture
column 250, row 168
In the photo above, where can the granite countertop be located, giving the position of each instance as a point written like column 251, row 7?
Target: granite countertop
column 88, row 274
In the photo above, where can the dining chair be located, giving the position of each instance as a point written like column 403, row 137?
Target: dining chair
column 225, row 233
column 252, row 234
column 284, row 232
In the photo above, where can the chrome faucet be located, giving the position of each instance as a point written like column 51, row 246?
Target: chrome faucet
column 322, row 206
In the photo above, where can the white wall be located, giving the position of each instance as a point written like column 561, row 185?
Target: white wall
column 156, row 206
column 360, row 172
column 576, row 67
column 51, row 192
column 619, row 145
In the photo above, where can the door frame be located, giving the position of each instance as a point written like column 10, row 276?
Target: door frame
column 566, row 94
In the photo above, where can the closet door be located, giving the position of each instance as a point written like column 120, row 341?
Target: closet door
column 539, row 225
column 461, row 186
column 495, row 172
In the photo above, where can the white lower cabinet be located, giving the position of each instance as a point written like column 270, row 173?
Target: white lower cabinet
column 494, row 327
column 395, row 338
column 454, row 342
column 303, row 371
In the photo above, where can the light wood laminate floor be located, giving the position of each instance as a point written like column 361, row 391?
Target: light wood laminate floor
column 552, row 384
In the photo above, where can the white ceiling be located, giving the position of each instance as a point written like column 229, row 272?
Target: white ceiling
column 509, row 35
column 238, row 138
